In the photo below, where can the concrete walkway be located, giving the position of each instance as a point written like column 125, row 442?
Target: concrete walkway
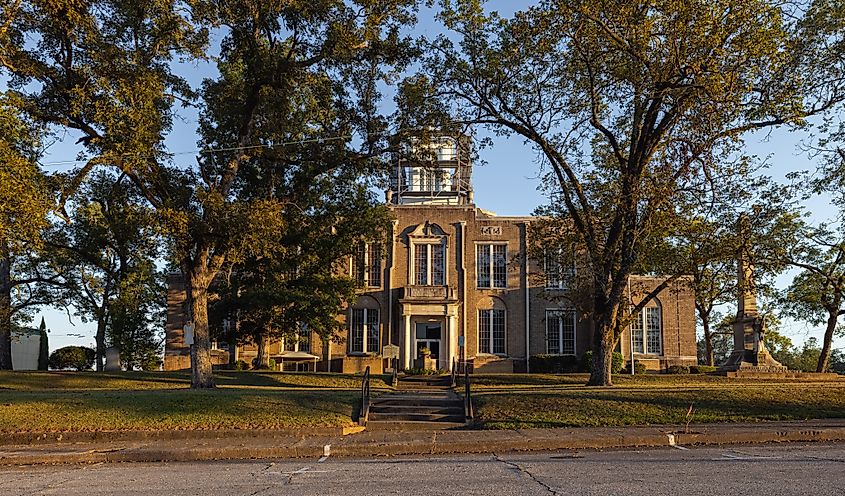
column 234, row 445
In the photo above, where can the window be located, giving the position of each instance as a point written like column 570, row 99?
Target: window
column 647, row 332
column 559, row 271
column 491, row 262
column 491, row 332
column 300, row 342
column 364, row 331
column 560, row 331
column 429, row 264
column 366, row 264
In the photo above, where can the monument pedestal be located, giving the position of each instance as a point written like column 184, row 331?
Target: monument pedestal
column 750, row 354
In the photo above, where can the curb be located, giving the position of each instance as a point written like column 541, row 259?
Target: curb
column 38, row 438
column 431, row 443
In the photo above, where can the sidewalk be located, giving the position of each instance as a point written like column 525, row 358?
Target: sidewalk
column 239, row 445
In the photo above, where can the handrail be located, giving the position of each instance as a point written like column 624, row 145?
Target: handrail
column 467, row 394
column 454, row 372
column 394, row 381
column 365, row 398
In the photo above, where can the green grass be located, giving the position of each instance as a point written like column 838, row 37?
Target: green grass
column 512, row 401
column 88, row 401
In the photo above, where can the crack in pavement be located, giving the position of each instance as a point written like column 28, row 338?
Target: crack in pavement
column 519, row 468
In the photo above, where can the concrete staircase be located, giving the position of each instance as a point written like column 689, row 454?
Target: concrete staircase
column 419, row 403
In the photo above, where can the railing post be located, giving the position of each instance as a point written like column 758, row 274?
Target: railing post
column 365, row 398
column 467, row 394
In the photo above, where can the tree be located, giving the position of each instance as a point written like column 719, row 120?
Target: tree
column 43, row 346
column 721, row 341
column 24, row 203
column 109, row 248
column 817, row 293
column 103, row 69
column 630, row 106
column 72, row 357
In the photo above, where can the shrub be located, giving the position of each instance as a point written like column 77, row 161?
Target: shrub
column 72, row 357
column 240, row 365
column 678, row 369
column 618, row 362
column 418, row 371
column 272, row 364
column 554, row 364
column 702, row 369
column 639, row 368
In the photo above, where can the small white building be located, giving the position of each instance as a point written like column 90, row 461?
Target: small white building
column 26, row 344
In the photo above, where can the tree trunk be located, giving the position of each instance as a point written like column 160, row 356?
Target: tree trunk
column 5, row 310
column 708, row 338
column 100, row 340
column 603, row 355
column 263, row 358
column 824, row 357
column 201, row 373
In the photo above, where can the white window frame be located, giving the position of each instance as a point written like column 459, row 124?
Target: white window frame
column 491, row 349
column 364, row 331
column 556, row 279
column 367, row 265
column 492, row 264
column 429, row 265
column 560, row 312
column 643, row 327
column 303, row 332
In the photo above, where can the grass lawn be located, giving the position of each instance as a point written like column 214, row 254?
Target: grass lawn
column 525, row 401
column 89, row 401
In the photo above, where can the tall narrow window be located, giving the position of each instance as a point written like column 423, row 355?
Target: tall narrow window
column 491, row 262
column 491, row 331
column 429, row 264
column 364, row 331
column 299, row 342
column 647, row 331
column 559, row 271
column 560, row 331
column 366, row 264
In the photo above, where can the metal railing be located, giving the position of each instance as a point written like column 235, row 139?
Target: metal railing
column 456, row 366
column 365, row 398
column 394, row 379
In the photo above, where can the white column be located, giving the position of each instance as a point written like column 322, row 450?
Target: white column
column 452, row 325
column 407, row 345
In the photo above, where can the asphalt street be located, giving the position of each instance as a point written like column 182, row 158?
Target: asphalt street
column 770, row 470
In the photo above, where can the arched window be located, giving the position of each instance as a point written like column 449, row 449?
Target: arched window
column 647, row 330
column 560, row 331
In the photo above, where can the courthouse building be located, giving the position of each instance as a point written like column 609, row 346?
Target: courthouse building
column 455, row 279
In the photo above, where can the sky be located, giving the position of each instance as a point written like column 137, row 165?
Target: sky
column 506, row 184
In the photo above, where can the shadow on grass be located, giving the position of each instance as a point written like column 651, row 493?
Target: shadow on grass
column 173, row 409
column 614, row 408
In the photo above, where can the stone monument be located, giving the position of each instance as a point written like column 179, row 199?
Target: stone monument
column 750, row 353
column 112, row 359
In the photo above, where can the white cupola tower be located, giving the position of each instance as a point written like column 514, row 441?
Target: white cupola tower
column 438, row 172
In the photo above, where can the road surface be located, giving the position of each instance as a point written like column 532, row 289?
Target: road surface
column 770, row 470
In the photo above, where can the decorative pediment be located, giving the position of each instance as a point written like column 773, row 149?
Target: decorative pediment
column 427, row 230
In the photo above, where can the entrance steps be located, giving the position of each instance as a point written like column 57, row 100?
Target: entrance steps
column 419, row 403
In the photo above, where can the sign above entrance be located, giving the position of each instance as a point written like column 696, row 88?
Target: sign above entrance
column 390, row 351
column 491, row 230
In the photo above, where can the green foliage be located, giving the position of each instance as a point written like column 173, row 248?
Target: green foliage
column 72, row 357
column 418, row 371
column 554, row 364
column 639, row 368
column 678, row 369
column 616, row 366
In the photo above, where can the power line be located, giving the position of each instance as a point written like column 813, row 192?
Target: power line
column 206, row 150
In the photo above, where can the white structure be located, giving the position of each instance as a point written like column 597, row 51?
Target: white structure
column 26, row 344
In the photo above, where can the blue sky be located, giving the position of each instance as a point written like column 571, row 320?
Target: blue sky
column 507, row 184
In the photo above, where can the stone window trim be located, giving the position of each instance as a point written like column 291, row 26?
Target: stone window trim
column 430, row 270
column 363, row 322
column 647, row 331
column 558, row 315
column 496, row 279
column 365, row 265
column 557, row 274
column 491, row 332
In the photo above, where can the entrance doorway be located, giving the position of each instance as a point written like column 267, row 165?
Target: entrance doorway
column 428, row 335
